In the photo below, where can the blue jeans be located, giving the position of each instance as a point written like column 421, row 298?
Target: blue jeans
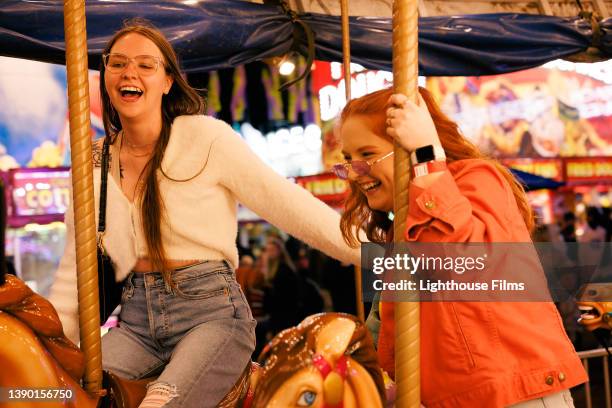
column 561, row 399
column 197, row 337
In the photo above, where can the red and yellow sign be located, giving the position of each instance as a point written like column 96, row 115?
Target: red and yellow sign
column 326, row 187
column 549, row 168
column 596, row 169
column 575, row 170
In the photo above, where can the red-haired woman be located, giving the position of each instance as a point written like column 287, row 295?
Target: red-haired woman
column 473, row 354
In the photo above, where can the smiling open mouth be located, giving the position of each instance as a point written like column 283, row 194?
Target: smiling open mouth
column 130, row 92
column 371, row 186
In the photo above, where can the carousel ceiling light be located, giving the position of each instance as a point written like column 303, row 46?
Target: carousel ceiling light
column 287, row 65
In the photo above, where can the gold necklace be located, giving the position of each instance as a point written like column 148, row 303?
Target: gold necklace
column 134, row 146
column 131, row 147
column 121, row 175
column 139, row 155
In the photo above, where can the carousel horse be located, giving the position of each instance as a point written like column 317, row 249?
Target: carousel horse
column 35, row 353
column 595, row 305
column 326, row 361
column 33, row 349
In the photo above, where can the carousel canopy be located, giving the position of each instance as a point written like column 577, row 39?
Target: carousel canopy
column 430, row 8
column 532, row 181
column 214, row 34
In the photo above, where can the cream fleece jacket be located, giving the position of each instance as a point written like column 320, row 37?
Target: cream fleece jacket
column 201, row 214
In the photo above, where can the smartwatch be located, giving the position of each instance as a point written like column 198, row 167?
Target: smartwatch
column 427, row 153
column 427, row 159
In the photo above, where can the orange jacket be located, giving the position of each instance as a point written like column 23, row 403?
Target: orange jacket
column 480, row 354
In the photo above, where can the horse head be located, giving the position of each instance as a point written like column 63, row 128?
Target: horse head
column 327, row 361
column 595, row 305
column 33, row 349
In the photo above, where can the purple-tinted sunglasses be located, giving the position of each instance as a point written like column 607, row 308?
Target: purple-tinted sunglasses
column 360, row 167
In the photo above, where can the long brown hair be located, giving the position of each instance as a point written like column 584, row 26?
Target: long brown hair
column 359, row 215
column 182, row 99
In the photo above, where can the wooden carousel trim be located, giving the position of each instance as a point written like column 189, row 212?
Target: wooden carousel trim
column 83, row 195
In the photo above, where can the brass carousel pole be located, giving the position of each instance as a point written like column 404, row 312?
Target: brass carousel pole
column 407, row 314
column 83, row 196
column 346, row 65
column 346, row 48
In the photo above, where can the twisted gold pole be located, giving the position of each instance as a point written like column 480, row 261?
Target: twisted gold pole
column 407, row 323
column 82, row 195
column 358, row 294
column 346, row 64
column 346, row 48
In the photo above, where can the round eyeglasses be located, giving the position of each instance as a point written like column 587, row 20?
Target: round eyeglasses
column 145, row 64
column 360, row 167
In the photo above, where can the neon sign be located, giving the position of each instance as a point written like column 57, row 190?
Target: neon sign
column 41, row 192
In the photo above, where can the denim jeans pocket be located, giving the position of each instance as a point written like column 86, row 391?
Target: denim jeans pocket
column 242, row 310
column 567, row 398
column 202, row 287
column 127, row 292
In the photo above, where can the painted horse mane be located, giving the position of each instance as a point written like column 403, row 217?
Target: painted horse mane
column 38, row 314
column 2, row 234
column 312, row 344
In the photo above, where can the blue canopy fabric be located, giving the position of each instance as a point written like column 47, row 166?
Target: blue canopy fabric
column 534, row 182
column 216, row 34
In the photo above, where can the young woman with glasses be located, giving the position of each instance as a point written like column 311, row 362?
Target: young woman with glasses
column 174, row 183
column 473, row 354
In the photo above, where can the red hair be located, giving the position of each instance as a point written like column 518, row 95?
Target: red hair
column 359, row 215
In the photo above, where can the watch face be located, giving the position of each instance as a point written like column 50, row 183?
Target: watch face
column 425, row 154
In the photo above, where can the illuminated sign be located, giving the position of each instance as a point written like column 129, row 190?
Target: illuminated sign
column 38, row 195
column 601, row 71
column 331, row 90
column 552, row 169
column 591, row 169
column 291, row 152
column 332, row 98
column 560, row 109
column 326, row 187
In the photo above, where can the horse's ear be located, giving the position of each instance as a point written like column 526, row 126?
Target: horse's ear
column 334, row 338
